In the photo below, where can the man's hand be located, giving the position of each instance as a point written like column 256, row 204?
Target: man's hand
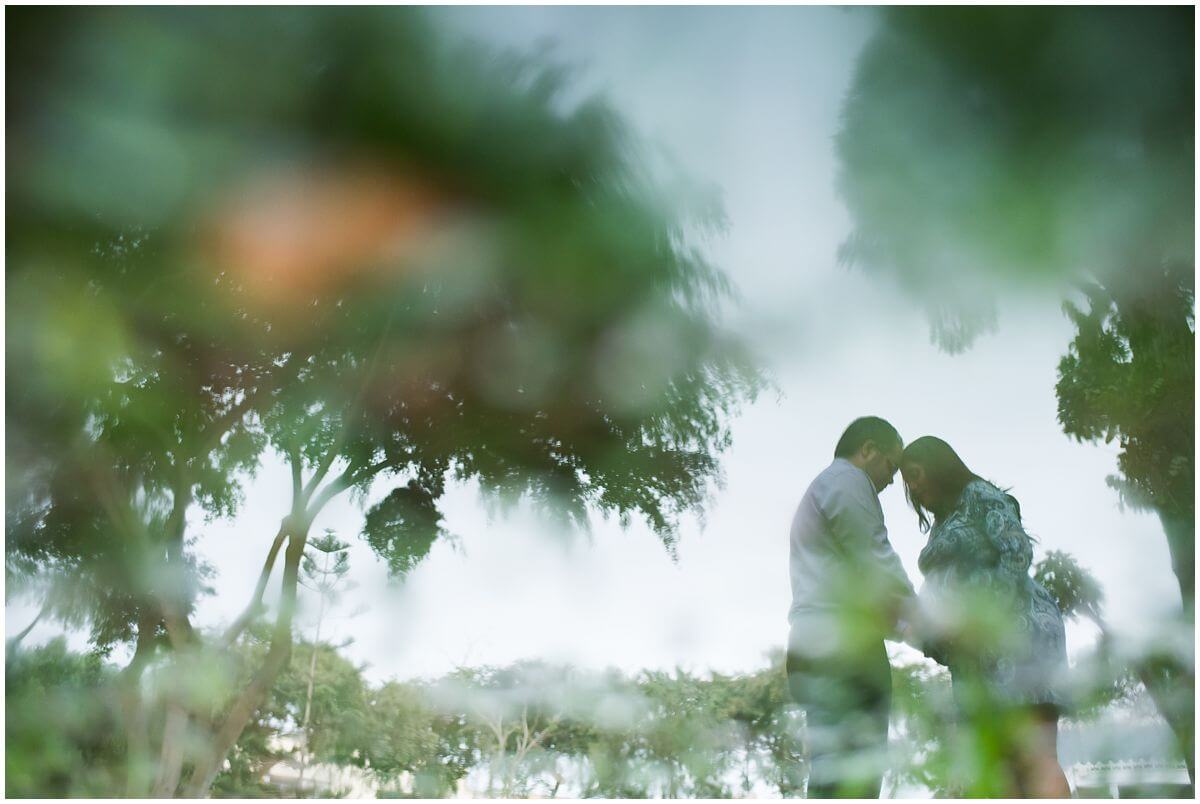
column 913, row 628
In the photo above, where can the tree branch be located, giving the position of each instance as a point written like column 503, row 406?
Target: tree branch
column 118, row 510
column 349, row 413
column 326, row 462
column 16, row 640
column 179, row 628
column 297, row 475
column 255, row 606
column 346, row 480
column 210, row 435
column 290, row 523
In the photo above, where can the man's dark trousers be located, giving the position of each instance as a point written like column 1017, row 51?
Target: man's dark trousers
column 847, row 698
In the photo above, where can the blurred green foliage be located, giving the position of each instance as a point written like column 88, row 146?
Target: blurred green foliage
column 986, row 147
column 342, row 238
column 1074, row 589
column 530, row 729
column 526, row 730
column 59, row 731
column 937, row 748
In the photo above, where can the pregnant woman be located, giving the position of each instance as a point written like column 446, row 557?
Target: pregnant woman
column 998, row 631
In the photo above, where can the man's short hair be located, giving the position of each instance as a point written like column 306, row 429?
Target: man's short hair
column 867, row 428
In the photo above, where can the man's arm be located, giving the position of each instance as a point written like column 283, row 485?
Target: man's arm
column 856, row 524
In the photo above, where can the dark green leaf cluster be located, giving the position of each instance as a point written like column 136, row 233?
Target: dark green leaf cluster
column 986, row 147
column 1074, row 589
column 1129, row 376
column 404, row 526
column 60, row 735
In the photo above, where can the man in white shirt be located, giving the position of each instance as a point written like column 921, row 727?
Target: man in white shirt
column 848, row 589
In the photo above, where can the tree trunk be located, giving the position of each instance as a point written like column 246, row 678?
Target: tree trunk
column 1173, row 689
column 296, row 526
column 137, row 740
column 1180, row 528
column 170, row 764
column 312, row 675
column 16, row 640
column 1172, row 686
column 209, row 763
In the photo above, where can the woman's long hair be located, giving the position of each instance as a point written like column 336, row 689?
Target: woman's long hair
column 944, row 471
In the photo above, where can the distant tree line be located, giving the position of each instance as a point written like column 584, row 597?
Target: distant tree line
column 529, row 729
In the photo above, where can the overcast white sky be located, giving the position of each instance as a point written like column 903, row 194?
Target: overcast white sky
column 748, row 99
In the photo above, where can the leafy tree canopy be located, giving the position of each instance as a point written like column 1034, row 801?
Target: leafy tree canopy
column 343, row 235
column 987, row 147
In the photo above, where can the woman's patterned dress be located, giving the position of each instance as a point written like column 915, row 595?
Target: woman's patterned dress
column 999, row 630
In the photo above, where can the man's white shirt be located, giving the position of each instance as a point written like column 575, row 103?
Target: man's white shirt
column 838, row 524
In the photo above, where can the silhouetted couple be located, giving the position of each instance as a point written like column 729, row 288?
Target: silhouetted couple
column 979, row 613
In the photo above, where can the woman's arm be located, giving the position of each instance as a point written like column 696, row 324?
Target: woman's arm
column 921, row 631
column 995, row 513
